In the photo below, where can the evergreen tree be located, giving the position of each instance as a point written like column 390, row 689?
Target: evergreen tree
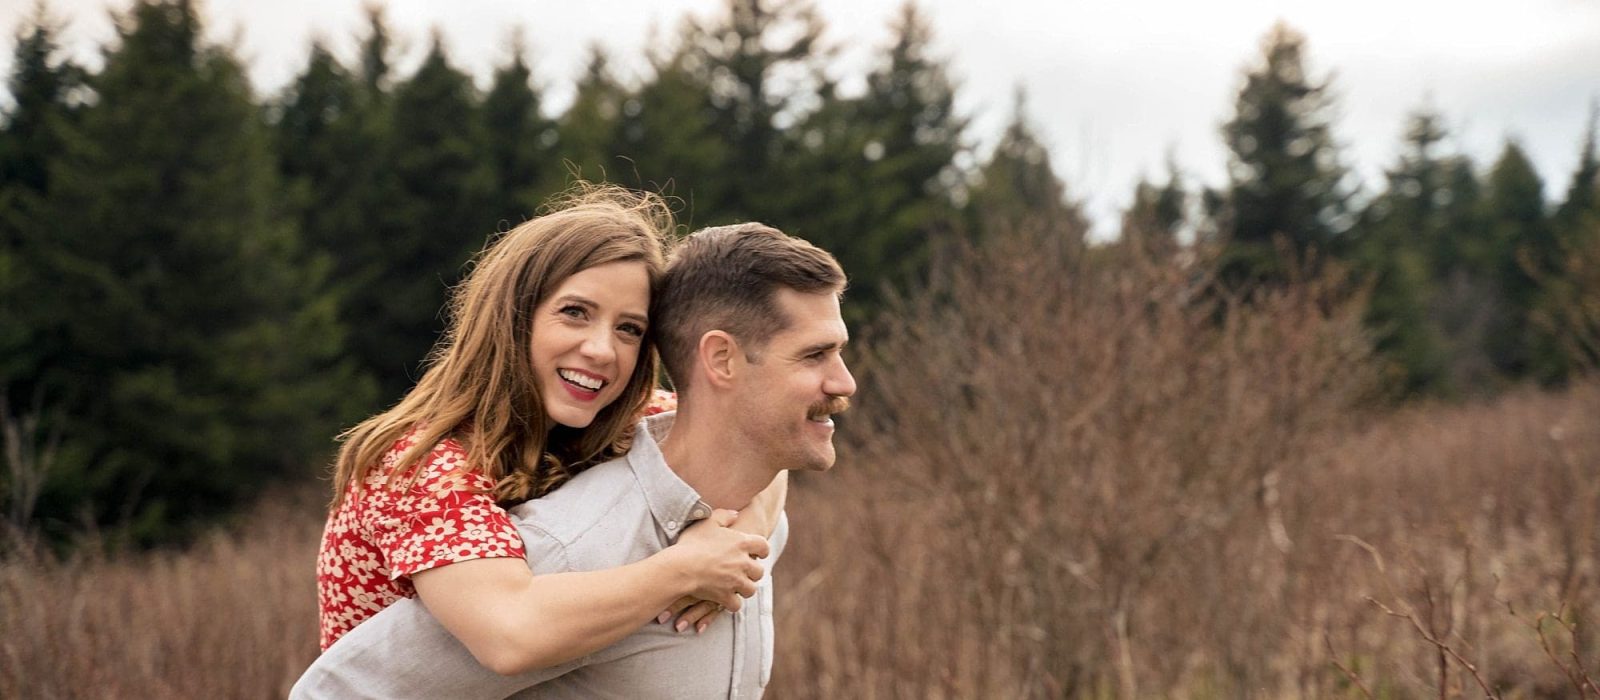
column 1284, row 174
column 668, row 135
column 317, row 140
column 442, row 215
column 199, row 357
column 1583, row 194
column 759, row 63
column 874, row 179
column 33, row 132
column 1158, row 214
column 1521, row 248
column 1392, row 248
column 588, row 130
column 1565, row 311
column 1018, row 187
column 519, row 139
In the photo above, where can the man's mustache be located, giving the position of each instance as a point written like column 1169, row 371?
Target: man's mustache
column 828, row 407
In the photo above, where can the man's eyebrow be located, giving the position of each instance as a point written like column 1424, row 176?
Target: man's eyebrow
column 819, row 347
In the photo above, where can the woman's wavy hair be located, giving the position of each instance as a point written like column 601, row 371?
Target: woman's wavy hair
column 480, row 385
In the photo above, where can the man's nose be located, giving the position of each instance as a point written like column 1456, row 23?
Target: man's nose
column 840, row 382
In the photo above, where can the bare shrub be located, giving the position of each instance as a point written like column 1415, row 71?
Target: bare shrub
column 1066, row 479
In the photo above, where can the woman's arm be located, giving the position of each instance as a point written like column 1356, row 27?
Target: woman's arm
column 513, row 621
column 758, row 518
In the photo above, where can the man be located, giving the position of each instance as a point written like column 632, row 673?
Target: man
column 749, row 328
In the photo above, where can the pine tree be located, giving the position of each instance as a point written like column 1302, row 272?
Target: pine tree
column 874, row 179
column 667, row 137
column 1583, row 194
column 1018, row 187
column 200, row 358
column 519, row 139
column 1152, row 223
column 745, row 59
column 437, row 214
column 1284, row 174
column 1520, row 249
column 1392, row 247
column 33, row 131
column 587, row 131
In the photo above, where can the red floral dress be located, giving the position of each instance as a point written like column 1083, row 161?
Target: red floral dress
column 381, row 535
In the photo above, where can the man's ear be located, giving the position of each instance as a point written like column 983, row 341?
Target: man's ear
column 719, row 357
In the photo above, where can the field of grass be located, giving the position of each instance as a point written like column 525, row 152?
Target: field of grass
column 1058, row 482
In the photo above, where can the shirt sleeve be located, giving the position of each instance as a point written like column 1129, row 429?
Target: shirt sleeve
column 660, row 402
column 447, row 515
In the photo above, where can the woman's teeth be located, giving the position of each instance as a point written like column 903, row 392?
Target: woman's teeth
column 581, row 380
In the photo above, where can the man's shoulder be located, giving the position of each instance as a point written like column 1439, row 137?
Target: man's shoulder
column 600, row 503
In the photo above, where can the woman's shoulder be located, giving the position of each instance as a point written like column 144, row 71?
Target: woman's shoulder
column 443, row 467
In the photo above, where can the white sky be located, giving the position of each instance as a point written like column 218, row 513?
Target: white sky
column 1113, row 86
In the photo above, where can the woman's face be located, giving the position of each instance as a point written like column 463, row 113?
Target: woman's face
column 586, row 339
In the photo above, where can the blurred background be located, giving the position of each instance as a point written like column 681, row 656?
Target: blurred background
column 1229, row 350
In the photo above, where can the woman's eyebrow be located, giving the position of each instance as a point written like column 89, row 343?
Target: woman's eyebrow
column 575, row 299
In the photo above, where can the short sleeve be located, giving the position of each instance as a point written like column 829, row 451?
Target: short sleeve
column 660, row 402
column 447, row 515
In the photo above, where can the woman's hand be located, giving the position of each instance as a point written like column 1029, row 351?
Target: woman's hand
column 719, row 561
column 759, row 518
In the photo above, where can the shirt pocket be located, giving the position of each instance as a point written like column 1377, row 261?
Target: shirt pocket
column 764, row 593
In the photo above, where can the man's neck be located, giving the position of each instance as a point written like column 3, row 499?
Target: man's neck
column 725, row 472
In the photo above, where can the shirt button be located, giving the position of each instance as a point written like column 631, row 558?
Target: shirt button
column 672, row 525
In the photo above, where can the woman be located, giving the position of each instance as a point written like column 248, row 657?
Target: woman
column 544, row 369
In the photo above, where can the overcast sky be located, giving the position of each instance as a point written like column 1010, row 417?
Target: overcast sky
column 1113, row 86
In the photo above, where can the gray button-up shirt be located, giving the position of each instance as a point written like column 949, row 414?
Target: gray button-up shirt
column 612, row 514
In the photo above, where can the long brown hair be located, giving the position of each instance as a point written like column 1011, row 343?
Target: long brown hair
column 480, row 384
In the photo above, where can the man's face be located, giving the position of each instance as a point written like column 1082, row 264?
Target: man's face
column 797, row 382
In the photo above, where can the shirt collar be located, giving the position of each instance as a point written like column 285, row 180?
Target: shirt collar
column 673, row 503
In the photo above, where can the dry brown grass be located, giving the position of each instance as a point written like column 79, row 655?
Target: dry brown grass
column 233, row 617
column 1061, row 480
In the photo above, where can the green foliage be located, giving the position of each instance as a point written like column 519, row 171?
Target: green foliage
column 204, row 252
column 1392, row 248
column 1284, row 174
column 874, row 177
column 667, row 135
column 1018, row 187
column 1153, row 222
column 518, row 139
column 1519, row 249
column 191, row 351
column 587, row 131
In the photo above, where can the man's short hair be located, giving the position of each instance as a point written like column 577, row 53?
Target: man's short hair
column 727, row 278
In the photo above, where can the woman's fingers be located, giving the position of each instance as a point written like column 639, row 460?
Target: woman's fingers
column 699, row 616
column 677, row 606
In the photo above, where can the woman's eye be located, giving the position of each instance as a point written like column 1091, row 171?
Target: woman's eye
column 571, row 311
column 632, row 329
